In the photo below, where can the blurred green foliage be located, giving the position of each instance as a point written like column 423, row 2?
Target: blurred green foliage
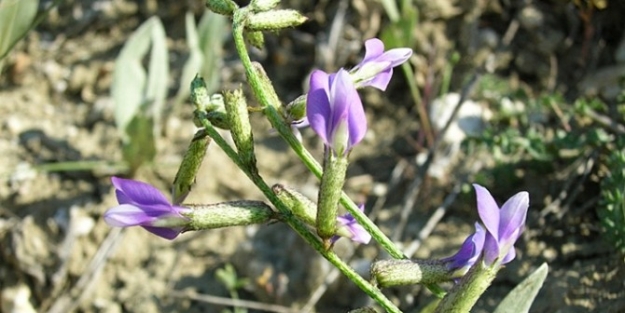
column 140, row 91
column 139, row 94
column 16, row 19
column 546, row 133
column 228, row 277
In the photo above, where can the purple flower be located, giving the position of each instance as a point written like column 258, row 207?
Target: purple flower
column 468, row 254
column 376, row 69
column 503, row 226
column 141, row 204
column 334, row 111
column 348, row 227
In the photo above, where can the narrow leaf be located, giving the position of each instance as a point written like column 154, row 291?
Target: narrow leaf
column 16, row 17
column 520, row 299
column 195, row 61
column 129, row 77
column 211, row 30
column 158, row 75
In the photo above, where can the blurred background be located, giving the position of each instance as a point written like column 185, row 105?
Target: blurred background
column 514, row 95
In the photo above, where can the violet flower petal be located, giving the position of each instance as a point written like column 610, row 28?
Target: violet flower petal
column 488, row 210
column 504, row 226
column 167, row 233
column 136, row 192
column 143, row 205
column 374, row 48
column 318, row 104
column 356, row 231
column 334, row 110
column 513, row 215
column 381, row 80
column 376, row 68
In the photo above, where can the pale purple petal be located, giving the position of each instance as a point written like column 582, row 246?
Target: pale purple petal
column 356, row 231
column 374, row 48
column 376, row 69
column 334, row 110
column 397, row 56
column 125, row 215
column 318, row 107
column 513, row 215
column 356, row 119
column 491, row 249
column 136, row 192
column 509, row 256
column 381, row 80
column 341, row 98
column 488, row 210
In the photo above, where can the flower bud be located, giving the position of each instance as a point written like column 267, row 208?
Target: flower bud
column 223, row 7
column 199, row 93
column 263, row 5
column 255, row 38
column 275, row 20
column 240, row 128
column 296, row 109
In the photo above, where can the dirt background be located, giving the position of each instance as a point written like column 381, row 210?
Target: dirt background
column 58, row 255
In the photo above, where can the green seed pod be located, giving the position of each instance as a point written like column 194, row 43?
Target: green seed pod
column 225, row 214
column 240, row 128
column 190, row 165
column 302, row 207
column 275, row 20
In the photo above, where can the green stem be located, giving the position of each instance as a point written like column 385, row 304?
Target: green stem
column 69, row 166
column 329, row 194
column 465, row 294
column 297, row 225
column 277, row 122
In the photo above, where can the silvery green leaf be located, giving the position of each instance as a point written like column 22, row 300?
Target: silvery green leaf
column 133, row 87
column 140, row 147
column 16, row 18
column 158, row 75
column 212, row 33
column 195, row 61
column 520, row 299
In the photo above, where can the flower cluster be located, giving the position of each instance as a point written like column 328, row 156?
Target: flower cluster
column 495, row 240
column 349, row 228
column 503, row 226
column 333, row 107
column 141, row 204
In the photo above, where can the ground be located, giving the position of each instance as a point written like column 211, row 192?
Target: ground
column 60, row 146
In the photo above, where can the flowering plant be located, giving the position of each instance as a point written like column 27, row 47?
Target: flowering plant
column 335, row 112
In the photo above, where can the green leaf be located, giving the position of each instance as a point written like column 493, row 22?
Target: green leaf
column 520, row 299
column 132, row 86
column 16, row 18
column 195, row 61
column 211, row 30
column 140, row 148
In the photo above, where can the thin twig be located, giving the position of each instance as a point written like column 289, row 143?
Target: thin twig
column 321, row 290
column 436, row 217
column 393, row 181
column 254, row 305
column 70, row 301
column 414, row 188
